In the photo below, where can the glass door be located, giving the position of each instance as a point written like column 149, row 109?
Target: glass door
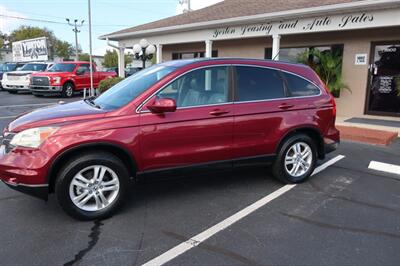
column 384, row 82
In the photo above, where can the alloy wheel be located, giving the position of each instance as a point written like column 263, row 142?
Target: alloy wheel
column 94, row 188
column 69, row 91
column 298, row 159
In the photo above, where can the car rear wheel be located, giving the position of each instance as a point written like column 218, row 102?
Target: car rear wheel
column 296, row 159
column 67, row 90
column 92, row 186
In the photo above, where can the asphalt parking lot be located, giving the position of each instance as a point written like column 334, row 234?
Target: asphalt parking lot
column 346, row 214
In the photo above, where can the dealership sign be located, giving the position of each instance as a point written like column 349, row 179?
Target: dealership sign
column 318, row 24
column 30, row 50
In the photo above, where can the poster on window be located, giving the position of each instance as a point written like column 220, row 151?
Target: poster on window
column 30, row 50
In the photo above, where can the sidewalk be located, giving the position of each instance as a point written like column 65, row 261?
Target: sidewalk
column 367, row 132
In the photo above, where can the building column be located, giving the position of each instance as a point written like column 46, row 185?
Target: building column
column 209, row 48
column 276, row 45
column 159, row 53
column 121, row 62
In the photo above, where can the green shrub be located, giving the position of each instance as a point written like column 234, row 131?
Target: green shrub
column 105, row 84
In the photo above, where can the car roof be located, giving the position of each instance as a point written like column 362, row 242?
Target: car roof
column 185, row 62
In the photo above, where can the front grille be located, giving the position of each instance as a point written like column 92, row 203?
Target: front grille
column 5, row 141
column 38, row 88
column 40, row 81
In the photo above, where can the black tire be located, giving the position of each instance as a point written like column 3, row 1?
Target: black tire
column 13, row 92
column 68, row 90
column 74, row 166
column 279, row 169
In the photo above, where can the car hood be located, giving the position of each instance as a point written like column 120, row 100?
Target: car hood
column 56, row 115
column 51, row 74
column 20, row 73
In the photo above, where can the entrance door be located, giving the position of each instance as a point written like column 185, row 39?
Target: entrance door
column 384, row 83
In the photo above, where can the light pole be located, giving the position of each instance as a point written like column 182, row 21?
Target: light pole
column 90, row 49
column 144, row 51
column 76, row 30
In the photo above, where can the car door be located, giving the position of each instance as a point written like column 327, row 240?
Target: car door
column 259, row 111
column 199, row 131
column 83, row 76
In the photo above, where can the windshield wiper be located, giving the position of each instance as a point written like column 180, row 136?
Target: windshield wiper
column 91, row 102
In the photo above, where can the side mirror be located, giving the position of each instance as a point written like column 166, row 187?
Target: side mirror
column 165, row 105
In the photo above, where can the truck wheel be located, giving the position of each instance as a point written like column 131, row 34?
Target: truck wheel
column 296, row 159
column 92, row 186
column 67, row 90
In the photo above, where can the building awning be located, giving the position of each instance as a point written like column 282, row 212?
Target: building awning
column 237, row 12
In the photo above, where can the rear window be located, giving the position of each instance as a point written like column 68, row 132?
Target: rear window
column 256, row 83
column 299, row 87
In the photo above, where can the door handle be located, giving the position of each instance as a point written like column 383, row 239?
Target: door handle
column 219, row 112
column 285, row 106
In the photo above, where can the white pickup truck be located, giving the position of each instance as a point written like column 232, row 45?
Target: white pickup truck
column 19, row 80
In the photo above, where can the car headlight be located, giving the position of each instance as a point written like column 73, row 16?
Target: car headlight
column 28, row 77
column 32, row 138
column 56, row 80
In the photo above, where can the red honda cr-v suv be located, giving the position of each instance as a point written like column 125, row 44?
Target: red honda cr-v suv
column 176, row 116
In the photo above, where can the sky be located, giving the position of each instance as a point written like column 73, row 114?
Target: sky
column 107, row 16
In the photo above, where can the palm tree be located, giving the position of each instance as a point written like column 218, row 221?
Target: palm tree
column 328, row 65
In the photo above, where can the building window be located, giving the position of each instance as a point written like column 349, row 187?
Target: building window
column 255, row 84
column 190, row 55
column 295, row 54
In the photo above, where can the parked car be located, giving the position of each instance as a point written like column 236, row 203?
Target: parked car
column 131, row 70
column 19, row 80
column 173, row 117
column 7, row 67
column 112, row 69
column 66, row 79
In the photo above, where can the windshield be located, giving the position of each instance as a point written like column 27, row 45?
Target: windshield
column 128, row 89
column 9, row 67
column 62, row 68
column 34, row 67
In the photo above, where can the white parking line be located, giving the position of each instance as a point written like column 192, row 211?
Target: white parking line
column 203, row 236
column 7, row 117
column 385, row 167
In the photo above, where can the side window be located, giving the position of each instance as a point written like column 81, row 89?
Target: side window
column 300, row 87
column 200, row 87
column 84, row 68
column 256, row 83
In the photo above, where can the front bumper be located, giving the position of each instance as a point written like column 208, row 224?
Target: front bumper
column 37, row 191
column 45, row 89
column 25, row 170
column 15, row 86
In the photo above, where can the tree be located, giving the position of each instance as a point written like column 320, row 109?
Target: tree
column 328, row 66
column 56, row 47
column 111, row 59
column 84, row 57
column 63, row 49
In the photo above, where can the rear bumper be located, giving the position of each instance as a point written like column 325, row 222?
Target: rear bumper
column 331, row 147
column 37, row 191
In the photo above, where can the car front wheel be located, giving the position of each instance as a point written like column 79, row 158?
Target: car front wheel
column 92, row 186
column 296, row 159
column 67, row 90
